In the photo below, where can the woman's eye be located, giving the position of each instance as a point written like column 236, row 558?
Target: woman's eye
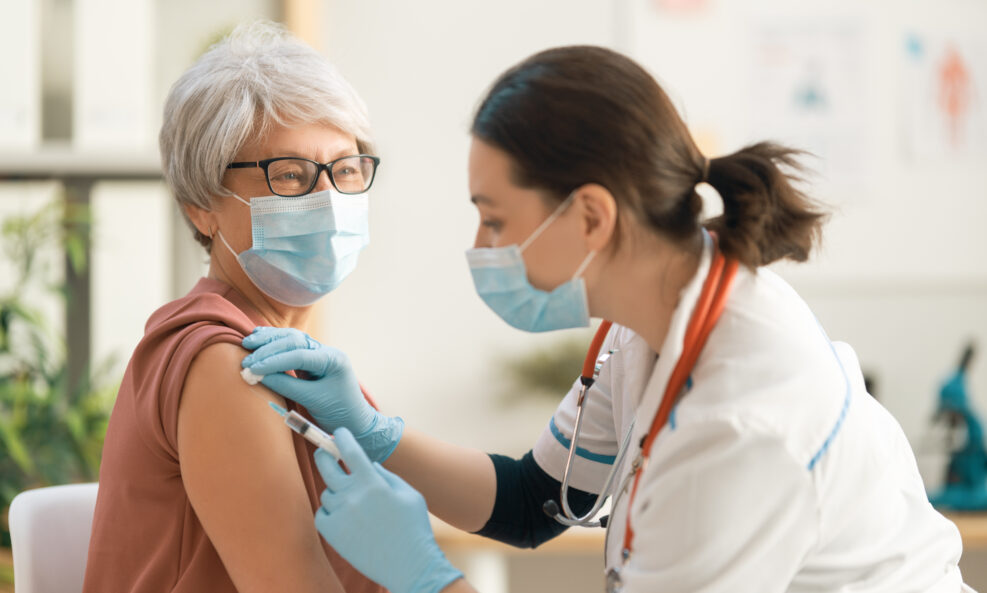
column 493, row 225
column 286, row 174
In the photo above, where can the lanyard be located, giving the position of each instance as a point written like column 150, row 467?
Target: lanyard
column 708, row 309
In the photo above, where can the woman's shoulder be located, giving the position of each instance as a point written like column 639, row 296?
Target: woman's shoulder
column 766, row 321
column 175, row 335
column 210, row 302
column 770, row 365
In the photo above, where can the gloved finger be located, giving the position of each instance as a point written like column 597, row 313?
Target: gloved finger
column 263, row 335
column 314, row 362
column 332, row 474
column 290, row 343
column 297, row 390
column 327, row 525
column 333, row 501
column 353, row 455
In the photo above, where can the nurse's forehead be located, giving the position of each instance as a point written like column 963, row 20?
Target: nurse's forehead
column 489, row 167
column 490, row 188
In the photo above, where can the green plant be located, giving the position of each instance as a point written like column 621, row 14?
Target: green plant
column 51, row 432
column 546, row 372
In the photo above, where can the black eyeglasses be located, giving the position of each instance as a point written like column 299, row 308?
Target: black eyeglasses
column 291, row 177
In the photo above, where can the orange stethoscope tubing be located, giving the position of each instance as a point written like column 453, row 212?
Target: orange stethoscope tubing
column 594, row 352
column 709, row 307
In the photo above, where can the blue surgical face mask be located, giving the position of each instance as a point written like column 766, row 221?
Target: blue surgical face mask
column 303, row 247
column 501, row 280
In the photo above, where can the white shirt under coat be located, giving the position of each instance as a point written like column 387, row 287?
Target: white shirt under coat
column 777, row 471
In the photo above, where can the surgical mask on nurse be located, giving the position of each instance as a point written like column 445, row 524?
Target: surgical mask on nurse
column 501, row 280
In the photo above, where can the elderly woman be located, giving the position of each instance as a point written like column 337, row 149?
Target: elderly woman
column 202, row 487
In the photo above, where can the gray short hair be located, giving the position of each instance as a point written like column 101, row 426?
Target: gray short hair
column 258, row 76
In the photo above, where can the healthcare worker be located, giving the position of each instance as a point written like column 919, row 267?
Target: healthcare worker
column 757, row 461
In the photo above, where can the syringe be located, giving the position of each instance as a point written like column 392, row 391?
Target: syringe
column 309, row 431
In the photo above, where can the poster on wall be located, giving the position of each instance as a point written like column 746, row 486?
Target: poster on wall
column 681, row 7
column 944, row 96
column 808, row 90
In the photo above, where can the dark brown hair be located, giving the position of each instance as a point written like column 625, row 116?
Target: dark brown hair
column 576, row 115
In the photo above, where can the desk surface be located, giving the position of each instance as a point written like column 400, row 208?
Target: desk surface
column 580, row 540
column 973, row 528
column 574, row 541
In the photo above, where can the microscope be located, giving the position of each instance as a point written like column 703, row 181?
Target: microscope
column 965, row 486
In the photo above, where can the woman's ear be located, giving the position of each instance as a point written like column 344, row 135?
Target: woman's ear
column 598, row 208
column 204, row 220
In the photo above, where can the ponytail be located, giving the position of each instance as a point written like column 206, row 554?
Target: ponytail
column 765, row 218
column 574, row 115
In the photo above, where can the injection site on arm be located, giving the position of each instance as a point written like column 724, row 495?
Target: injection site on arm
column 250, row 377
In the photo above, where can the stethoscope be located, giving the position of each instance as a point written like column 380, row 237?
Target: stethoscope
column 591, row 371
column 708, row 308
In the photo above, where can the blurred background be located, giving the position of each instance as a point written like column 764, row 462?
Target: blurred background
column 890, row 97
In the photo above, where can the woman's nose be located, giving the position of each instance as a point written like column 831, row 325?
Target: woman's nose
column 322, row 182
column 484, row 237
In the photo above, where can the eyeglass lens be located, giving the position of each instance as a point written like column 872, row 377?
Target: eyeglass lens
column 294, row 177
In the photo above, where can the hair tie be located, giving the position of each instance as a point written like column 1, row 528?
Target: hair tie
column 705, row 178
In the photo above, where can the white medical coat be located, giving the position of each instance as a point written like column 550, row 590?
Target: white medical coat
column 777, row 471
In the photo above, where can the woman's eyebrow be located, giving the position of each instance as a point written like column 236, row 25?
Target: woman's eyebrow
column 335, row 154
column 481, row 199
column 345, row 151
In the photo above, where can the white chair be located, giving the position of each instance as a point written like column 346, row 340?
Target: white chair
column 49, row 533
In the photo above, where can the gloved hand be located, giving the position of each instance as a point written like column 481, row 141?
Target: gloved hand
column 332, row 394
column 379, row 523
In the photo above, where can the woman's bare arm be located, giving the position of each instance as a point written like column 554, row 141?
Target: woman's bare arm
column 242, row 477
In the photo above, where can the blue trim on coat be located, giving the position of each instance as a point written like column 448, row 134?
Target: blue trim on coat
column 843, row 412
column 585, row 454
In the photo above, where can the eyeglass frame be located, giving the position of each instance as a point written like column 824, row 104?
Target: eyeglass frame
column 320, row 167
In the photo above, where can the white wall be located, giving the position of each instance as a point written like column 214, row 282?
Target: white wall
column 900, row 275
column 419, row 337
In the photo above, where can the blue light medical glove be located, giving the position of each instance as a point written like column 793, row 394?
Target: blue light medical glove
column 331, row 393
column 379, row 523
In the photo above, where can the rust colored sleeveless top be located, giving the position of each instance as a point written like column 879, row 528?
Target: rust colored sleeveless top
column 146, row 537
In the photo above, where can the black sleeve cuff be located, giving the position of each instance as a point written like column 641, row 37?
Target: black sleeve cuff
column 522, row 489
